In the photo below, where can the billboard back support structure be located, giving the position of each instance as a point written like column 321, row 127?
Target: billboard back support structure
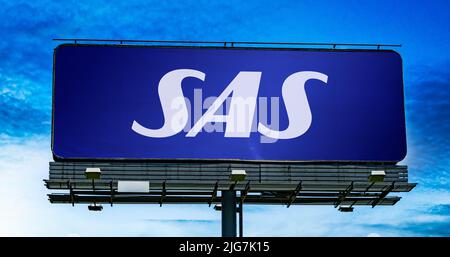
column 340, row 117
column 197, row 103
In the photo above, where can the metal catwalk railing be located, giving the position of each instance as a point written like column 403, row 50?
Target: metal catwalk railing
column 280, row 183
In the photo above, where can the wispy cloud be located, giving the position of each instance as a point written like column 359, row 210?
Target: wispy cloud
column 428, row 126
column 27, row 211
column 422, row 228
column 23, row 165
column 18, row 118
column 26, row 49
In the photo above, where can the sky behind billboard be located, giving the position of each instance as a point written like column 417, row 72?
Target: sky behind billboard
column 26, row 52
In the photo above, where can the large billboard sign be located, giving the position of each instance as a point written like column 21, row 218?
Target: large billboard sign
column 255, row 104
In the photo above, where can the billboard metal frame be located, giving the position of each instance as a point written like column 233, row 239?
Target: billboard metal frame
column 232, row 45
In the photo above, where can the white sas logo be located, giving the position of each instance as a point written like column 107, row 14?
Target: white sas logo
column 241, row 106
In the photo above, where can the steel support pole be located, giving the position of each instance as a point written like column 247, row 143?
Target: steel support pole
column 229, row 213
column 241, row 217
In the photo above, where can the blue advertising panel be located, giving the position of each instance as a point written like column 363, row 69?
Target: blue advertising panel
column 205, row 103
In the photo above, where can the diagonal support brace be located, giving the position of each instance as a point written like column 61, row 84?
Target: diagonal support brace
column 294, row 194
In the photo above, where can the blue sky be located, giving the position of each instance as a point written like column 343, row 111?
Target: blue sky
column 26, row 50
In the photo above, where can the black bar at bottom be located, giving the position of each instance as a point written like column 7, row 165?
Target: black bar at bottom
column 195, row 246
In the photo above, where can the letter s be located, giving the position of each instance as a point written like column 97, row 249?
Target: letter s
column 172, row 103
column 297, row 106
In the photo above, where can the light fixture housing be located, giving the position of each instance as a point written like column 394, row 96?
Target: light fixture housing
column 93, row 173
column 377, row 176
column 94, row 207
column 345, row 208
column 237, row 175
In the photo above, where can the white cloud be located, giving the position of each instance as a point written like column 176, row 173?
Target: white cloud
column 27, row 212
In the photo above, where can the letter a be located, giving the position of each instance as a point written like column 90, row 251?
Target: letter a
column 244, row 88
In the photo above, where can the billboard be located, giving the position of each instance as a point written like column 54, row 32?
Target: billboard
column 205, row 103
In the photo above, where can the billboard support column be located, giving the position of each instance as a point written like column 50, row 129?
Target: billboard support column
column 241, row 217
column 229, row 213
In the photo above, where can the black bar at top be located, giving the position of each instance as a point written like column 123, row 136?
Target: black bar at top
column 233, row 43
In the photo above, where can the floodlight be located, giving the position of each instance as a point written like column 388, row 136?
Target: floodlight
column 238, row 175
column 377, row 176
column 94, row 207
column 93, row 173
column 345, row 208
column 218, row 207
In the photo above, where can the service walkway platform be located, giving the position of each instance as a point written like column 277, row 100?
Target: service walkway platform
column 201, row 182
